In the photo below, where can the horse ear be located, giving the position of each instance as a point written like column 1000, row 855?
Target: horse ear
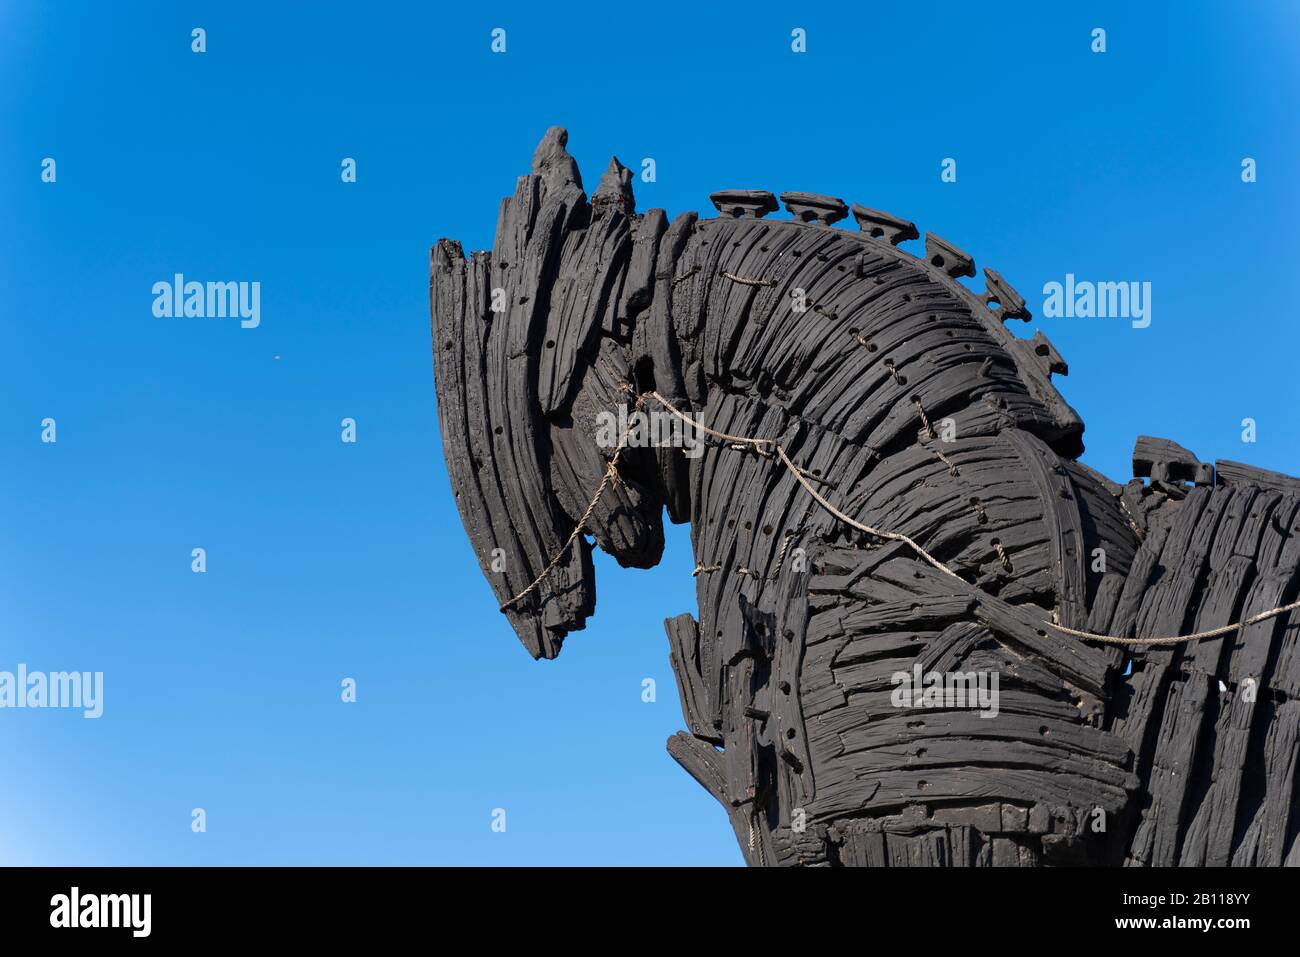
column 552, row 162
column 615, row 189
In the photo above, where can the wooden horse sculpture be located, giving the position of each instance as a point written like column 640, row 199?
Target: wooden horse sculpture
column 889, row 510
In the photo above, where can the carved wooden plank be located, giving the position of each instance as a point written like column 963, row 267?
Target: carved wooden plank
column 1228, row 472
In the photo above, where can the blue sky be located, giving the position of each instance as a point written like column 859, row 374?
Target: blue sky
column 328, row 560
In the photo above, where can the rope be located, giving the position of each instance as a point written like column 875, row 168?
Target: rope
column 952, row 469
column 1002, row 555
column 755, row 846
column 1178, row 639
column 929, row 429
column 789, row 537
column 769, row 447
column 748, row 282
column 611, row 476
column 799, row 477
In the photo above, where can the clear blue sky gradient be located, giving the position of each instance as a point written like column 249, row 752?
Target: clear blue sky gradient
column 328, row 560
